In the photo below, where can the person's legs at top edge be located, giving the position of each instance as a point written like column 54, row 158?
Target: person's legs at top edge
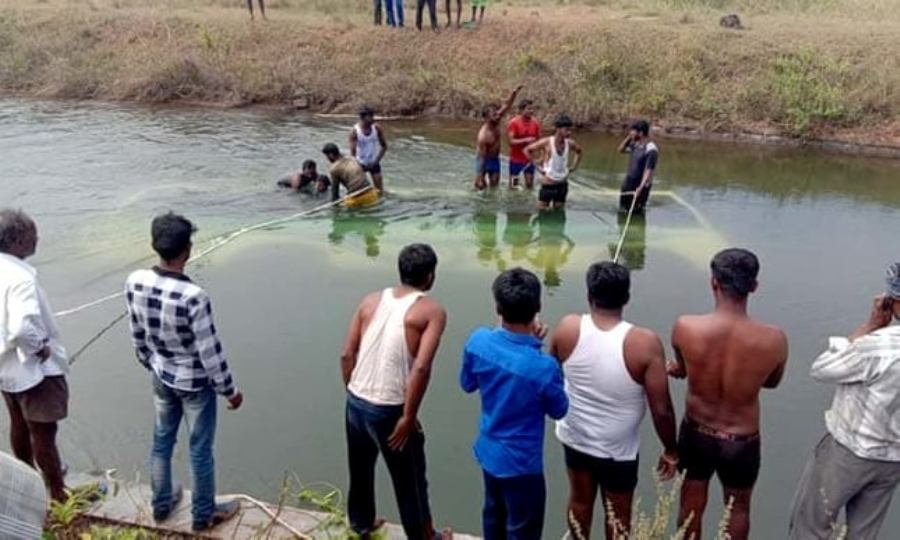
column 376, row 4
column 200, row 415
column 389, row 13
column 165, row 432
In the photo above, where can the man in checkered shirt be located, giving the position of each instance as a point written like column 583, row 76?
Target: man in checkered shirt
column 175, row 338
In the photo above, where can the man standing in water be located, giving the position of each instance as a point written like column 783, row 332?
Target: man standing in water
column 174, row 337
column 33, row 363
column 641, row 164
column 489, row 140
column 347, row 172
column 728, row 358
column 613, row 371
column 523, row 130
column 555, row 169
column 386, row 365
column 856, row 466
column 368, row 145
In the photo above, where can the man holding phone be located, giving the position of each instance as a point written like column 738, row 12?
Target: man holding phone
column 856, row 465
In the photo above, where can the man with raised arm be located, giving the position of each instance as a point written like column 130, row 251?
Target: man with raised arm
column 613, row 371
column 175, row 338
column 488, row 143
column 644, row 154
column 728, row 358
column 386, row 365
column 856, row 465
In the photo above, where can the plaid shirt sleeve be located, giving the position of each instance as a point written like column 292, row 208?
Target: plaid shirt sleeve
column 209, row 348
column 138, row 333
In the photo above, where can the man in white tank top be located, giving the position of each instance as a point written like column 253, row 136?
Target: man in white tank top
column 613, row 371
column 386, row 366
column 551, row 157
column 368, row 145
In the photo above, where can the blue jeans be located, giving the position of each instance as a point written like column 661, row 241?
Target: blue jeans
column 199, row 411
column 514, row 507
column 368, row 428
column 394, row 10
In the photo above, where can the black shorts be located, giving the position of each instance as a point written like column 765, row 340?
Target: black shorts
column 703, row 451
column 609, row 474
column 627, row 196
column 374, row 168
column 556, row 193
column 47, row 402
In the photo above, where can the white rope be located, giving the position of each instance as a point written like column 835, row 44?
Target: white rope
column 634, row 198
column 221, row 241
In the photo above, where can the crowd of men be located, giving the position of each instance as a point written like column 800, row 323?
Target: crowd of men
column 393, row 10
column 597, row 379
column 555, row 157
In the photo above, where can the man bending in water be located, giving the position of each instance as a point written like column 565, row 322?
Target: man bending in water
column 555, row 170
column 347, row 171
column 489, row 142
column 368, row 145
column 308, row 179
column 728, row 358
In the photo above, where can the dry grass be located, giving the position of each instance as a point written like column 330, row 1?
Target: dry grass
column 801, row 67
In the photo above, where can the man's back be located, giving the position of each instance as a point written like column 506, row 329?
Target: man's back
column 728, row 360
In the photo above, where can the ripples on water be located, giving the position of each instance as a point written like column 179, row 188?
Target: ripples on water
column 94, row 175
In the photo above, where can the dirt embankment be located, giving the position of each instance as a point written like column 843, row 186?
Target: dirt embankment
column 783, row 77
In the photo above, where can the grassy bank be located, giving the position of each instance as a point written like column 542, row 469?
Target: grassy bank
column 806, row 68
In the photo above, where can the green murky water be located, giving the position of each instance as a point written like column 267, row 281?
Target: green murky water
column 93, row 176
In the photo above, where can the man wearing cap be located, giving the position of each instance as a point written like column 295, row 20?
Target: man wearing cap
column 348, row 172
column 368, row 145
column 856, row 465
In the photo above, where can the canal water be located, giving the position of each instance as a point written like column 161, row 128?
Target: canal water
column 94, row 175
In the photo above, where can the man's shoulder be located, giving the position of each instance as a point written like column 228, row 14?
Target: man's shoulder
column 651, row 147
column 175, row 289
column 479, row 337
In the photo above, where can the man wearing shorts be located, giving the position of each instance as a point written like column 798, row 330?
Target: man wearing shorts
column 523, row 130
column 488, row 144
column 478, row 4
column 613, row 371
column 553, row 153
column 728, row 358
column 33, row 363
column 368, row 145
column 347, row 172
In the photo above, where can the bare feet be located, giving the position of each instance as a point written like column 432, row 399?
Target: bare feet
column 379, row 523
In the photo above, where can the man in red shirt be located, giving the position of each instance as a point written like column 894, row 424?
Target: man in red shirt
column 523, row 130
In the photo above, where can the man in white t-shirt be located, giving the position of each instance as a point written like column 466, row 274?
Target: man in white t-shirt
column 33, row 361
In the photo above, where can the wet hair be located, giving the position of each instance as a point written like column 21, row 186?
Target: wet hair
column 524, row 104
column 14, row 225
column 171, row 235
column 415, row 263
column 331, row 149
column 517, row 293
column 735, row 269
column 641, row 126
column 608, row 285
column 487, row 110
column 562, row 121
column 366, row 111
column 309, row 164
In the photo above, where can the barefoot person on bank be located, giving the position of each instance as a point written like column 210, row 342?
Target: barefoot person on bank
column 728, row 358
column 33, row 363
column 386, row 365
column 519, row 386
column 856, row 465
column 488, row 143
column 174, row 337
column 613, row 371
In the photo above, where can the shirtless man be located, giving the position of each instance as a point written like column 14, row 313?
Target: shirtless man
column 368, row 145
column 727, row 358
column 386, row 365
column 489, row 140
column 346, row 171
column 308, row 180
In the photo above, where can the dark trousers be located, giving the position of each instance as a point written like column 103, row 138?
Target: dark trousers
column 514, row 507
column 432, row 10
column 627, row 196
column 377, row 5
column 368, row 429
